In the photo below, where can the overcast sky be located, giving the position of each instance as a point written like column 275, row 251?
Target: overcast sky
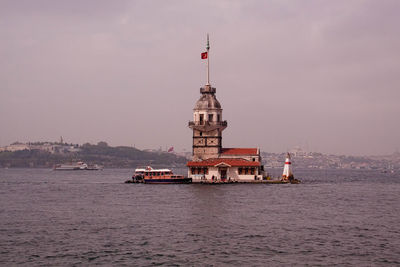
column 324, row 75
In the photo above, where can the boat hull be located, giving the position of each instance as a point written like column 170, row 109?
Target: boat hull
column 69, row 169
column 168, row 181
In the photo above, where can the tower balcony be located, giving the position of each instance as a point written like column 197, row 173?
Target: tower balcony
column 208, row 125
column 207, row 90
column 204, row 123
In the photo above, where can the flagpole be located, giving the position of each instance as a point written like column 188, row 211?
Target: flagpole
column 208, row 61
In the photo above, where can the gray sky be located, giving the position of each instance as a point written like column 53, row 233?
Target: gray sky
column 320, row 74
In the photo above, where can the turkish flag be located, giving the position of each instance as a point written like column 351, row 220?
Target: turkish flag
column 204, row 55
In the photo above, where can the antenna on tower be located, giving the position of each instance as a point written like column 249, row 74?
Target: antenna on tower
column 208, row 60
column 205, row 55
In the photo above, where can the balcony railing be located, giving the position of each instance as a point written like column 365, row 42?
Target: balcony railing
column 208, row 89
column 208, row 123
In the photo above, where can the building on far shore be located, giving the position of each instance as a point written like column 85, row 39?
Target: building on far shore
column 210, row 161
column 17, row 146
column 42, row 146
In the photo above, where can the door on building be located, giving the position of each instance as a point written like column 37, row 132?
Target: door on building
column 223, row 174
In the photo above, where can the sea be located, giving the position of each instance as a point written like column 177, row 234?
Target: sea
column 85, row 218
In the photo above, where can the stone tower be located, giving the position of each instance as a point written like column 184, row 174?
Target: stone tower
column 207, row 125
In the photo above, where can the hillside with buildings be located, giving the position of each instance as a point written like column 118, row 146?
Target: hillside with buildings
column 47, row 154
column 315, row 160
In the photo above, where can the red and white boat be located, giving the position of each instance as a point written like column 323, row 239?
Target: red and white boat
column 149, row 175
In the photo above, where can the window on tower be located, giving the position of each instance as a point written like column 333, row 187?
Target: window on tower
column 218, row 118
column 210, row 117
column 201, row 119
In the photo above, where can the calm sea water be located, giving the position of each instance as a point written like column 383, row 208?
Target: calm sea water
column 92, row 218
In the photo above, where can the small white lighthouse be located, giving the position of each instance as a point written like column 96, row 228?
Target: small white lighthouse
column 287, row 169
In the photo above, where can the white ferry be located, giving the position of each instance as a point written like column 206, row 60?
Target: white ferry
column 71, row 166
column 77, row 166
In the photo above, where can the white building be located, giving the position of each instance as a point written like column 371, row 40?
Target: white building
column 16, row 147
column 233, row 164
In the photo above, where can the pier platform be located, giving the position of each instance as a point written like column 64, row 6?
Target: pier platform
column 247, row 182
column 295, row 181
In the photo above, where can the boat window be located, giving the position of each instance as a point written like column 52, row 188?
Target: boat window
column 240, row 171
column 246, row 171
column 252, row 170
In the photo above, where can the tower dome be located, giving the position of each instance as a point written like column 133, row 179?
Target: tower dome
column 207, row 101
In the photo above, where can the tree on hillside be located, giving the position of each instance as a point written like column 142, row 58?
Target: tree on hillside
column 102, row 143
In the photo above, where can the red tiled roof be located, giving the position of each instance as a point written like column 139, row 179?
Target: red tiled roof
column 239, row 151
column 230, row 162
